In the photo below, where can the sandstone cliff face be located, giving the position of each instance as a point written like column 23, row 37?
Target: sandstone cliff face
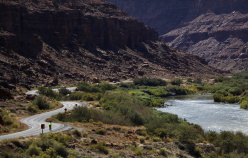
column 220, row 39
column 213, row 29
column 166, row 15
column 41, row 41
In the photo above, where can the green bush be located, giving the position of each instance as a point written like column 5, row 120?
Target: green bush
column 41, row 102
column 138, row 152
column 33, row 150
column 77, row 133
column 244, row 104
column 176, row 81
column 60, row 149
column 189, row 80
column 8, row 121
column 177, row 90
column 198, row 81
column 162, row 152
column 100, row 147
column 127, row 85
column 149, row 82
column 142, row 140
column 47, row 92
column 76, row 96
column 32, row 108
column 218, row 97
column 161, row 132
column 64, row 91
column 101, row 132
column 80, row 113
column 220, row 79
column 235, row 91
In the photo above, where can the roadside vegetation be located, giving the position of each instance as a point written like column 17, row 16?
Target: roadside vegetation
column 41, row 103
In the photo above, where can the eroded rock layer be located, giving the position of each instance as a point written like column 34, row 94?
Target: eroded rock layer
column 46, row 42
column 213, row 29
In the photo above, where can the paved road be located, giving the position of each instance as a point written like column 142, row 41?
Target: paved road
column 35, row 92
column 34, row 122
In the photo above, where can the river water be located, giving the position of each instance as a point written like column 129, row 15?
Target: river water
column 201, row 109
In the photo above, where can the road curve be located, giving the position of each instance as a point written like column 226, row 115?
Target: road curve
column 35, row 92
column 34, row 122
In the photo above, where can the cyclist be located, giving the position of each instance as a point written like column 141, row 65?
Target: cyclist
column 50, row 126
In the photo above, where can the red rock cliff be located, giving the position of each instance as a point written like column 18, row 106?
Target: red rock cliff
column 42, row 42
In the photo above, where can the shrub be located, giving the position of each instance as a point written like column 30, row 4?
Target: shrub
column 85, row 135
column 60, row 116
column 235, row 91
column 47, row 92
column 33, row 150
column 138, row 152
column 101, row 132
column 41, row 103
column 105, row 87
column 127, row 85
column 77, row 133
column 88, row 97
column 76, row 96
column 64, row 91
column 32, row 108
column 141, row 132
column 51, row 152
column 156, row 139
column 198, row 81
column 177, row 90
column 218, row 97
column 14, row 125
column 189, row 80
column 220, row 79
column 162, row 152
column 100, row 147
column 161, row 132
column 83, row 86
column 244, row 104
column 232, row 99
column 142, row 140
column 8, row 121
column 176, row 81
column 60, row 149
column 227, row 141
column 149, row 82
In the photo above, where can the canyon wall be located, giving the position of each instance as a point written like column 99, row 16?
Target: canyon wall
column 46, row 42
column 215, row 30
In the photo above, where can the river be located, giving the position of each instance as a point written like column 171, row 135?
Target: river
column 202, row 110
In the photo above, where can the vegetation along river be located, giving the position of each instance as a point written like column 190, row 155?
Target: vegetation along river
column 202, row 110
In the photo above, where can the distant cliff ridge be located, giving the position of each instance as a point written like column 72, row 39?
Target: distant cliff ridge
column 213, row 29
column 43, row 42
column 166, row 15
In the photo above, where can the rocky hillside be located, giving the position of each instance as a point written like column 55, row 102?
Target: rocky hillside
column 220, row 39
column 215, row 29
column 49, row 42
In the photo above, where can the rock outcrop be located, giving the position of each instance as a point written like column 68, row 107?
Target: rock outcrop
column 41, row 41
column 214, row 29
column 220, row 39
